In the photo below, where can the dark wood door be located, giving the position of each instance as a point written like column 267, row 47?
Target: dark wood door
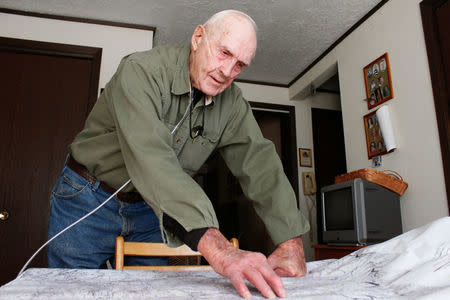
column 329, row 152
column 47, row 92
column 236, row 215
column 436, row 24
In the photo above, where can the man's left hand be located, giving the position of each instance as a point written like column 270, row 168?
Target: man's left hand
column 288, row 260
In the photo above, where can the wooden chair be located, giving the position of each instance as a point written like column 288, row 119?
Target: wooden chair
column 158, row 249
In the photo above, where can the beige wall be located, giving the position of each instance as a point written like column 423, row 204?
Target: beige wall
column 397, row 29
column 116, row 42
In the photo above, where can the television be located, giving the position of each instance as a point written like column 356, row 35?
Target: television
column 359, row 212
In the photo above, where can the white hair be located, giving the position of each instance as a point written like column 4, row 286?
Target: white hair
column 219, row 17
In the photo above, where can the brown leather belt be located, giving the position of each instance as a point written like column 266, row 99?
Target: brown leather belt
column 131, row 197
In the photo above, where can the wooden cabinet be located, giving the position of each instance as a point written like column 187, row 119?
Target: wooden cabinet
column 327, row 252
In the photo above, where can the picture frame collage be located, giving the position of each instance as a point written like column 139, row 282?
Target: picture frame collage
column 378, row 88
column 377, row 77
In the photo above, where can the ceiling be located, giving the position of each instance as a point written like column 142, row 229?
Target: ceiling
column 292, row 34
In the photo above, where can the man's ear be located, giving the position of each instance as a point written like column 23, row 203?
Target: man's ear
column 197, row 36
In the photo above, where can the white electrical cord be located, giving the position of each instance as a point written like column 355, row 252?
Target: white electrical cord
column 185, row 113
column 71, row 225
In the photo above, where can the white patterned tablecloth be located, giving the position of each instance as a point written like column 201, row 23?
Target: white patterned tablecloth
column 414, row 265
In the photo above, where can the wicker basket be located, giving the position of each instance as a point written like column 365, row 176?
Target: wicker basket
column 392, row 182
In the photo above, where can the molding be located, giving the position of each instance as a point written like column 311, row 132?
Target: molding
column 272, row 106
column 292, row 136
column 262, row 83
column 48, row 48
column 322, row 90
column 76, row 19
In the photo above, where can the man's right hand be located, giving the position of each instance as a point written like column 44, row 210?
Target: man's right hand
column 239, row 265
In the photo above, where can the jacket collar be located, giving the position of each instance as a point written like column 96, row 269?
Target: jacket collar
column 181, row 80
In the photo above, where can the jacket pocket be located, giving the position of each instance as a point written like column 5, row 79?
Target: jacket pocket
column 194, row 154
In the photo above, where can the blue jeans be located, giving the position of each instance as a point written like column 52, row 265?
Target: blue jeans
column 90, row 243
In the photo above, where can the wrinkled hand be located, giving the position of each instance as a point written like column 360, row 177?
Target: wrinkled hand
column 288, row 260
column 238, row 265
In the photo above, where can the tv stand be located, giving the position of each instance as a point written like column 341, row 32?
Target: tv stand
column 329, row 251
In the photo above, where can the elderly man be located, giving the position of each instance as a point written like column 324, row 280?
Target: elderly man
column 157, row 121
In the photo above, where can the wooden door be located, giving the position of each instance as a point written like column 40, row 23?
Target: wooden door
column 436, row 24
column 47, row 91
column 329, row 152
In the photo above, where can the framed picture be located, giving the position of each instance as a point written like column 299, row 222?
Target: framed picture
column 305, row 157
column 377, row 76
column 374, row 139
column 376, row 161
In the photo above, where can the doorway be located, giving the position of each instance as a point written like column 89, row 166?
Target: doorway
column 329, row 153
column 328, row 140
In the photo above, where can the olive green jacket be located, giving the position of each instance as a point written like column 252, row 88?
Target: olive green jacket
column 130, row 134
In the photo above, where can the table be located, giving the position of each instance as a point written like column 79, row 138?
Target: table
column 113, row 284
column 40, row 283
column 414, row 265
column 60, row 284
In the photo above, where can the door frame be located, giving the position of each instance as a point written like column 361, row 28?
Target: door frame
column 291, row 168
column 316, row 113
column 55, row 49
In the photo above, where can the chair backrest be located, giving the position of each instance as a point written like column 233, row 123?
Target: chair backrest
column 157, row 249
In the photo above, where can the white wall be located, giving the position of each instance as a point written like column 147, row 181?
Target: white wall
column 277, row 95
column 397, row 29
column 116, row 42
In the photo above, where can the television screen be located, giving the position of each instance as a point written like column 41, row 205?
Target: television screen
column 339, row 209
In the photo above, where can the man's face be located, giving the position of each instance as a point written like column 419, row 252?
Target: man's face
column 219, row 57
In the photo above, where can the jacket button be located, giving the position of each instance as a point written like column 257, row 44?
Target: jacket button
column 178, row 141
column 203, row 144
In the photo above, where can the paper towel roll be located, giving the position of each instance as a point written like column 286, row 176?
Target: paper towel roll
column 384, row 120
